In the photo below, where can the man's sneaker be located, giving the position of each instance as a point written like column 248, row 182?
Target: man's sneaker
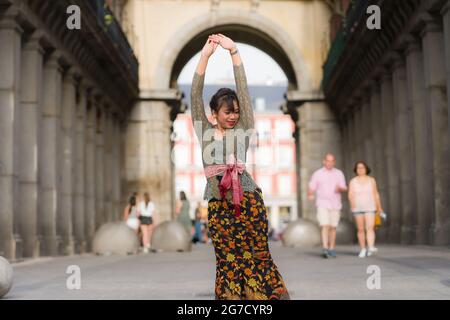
column 372, row 251
column 362, row 253
column 325, row 253
column 332, row 253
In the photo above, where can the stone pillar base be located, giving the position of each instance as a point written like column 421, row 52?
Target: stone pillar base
column 80, row 246
column 49, row 246
column 171, row 236
column 31, row 247
column 66, row 246
column 408, row 235
column 8, row 246
column 301, row 233
column 441, row 236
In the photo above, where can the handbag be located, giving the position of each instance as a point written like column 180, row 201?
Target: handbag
column 377, row 219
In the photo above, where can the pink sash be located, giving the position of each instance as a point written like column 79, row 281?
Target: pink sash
column 230, row 180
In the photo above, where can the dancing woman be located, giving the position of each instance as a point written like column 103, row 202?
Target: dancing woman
column 237, row 216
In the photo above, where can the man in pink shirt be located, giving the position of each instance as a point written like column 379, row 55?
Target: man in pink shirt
column 328, row 183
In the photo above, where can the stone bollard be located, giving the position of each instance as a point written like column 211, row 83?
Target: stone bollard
column 171, row 236
column 345, row 232
column 6, row 277
column 115, row 238
column 301, row 233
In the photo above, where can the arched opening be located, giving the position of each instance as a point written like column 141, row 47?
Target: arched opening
column 243, row 34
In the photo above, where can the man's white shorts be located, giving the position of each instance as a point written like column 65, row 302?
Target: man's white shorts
column 328, row 217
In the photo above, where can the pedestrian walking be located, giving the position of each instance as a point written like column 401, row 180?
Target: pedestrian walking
column 328, row 183
column 364, row 202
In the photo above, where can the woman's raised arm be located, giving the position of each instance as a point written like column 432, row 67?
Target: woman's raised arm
column 245, row 104
column 198, row 108
column 246, row 110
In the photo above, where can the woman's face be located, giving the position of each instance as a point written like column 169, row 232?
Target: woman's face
column 361, row 169
column 227, row 118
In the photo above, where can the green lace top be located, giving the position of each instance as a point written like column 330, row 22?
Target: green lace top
column 235, row 141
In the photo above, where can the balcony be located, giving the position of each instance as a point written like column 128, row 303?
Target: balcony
column 354, row 16
column 109, row 24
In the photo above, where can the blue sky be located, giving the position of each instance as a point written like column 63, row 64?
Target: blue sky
column 260, row 68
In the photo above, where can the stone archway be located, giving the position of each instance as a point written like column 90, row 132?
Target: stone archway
column 252, row 29
column 162, row 65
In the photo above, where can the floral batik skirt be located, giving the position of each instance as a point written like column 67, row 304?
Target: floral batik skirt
column 244, row 266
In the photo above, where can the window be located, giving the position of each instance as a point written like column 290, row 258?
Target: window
column 285, row 214
column 283, row 129
column 265, row 182
column 182, row 183
column 260, row 104
column 284, row 185
column 199, row 185
column 263, row 127
column 264, row 156
column 181, row 130
column 284, row 156
column 198, row 156
column 182, row 155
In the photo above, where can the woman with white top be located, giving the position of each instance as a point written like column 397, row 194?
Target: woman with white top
column 131, row 215
column 364, row 202
column 147, row 213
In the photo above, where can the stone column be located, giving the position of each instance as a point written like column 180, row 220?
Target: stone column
column 10, row 39
column 403, row 124
column 298, row 172
column 148, row 154
column 116, row 169
column 446, row 17
column 422, row 144
column 368, row 147
column 90, row 175
column 359, row 147
column 79, row 166
column 48, row 151
column 99, row 164
column 379, row 164
column 437, row 106
column 388, row 129
column 345, row 145
column 68, row 116
column 107, row 167
column 319, row 134
column 352, row 137
column 346, row 162
column 28, row 121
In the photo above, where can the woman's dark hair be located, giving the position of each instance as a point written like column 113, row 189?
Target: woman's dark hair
column 223, row 96
column 132, row 201
column 183, row 195
column 146, row 198
column 365, row 166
